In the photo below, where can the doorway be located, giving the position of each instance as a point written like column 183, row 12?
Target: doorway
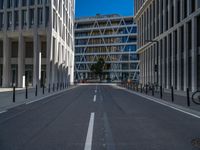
column 14, row 74
column 29, row 75
column 1, row 74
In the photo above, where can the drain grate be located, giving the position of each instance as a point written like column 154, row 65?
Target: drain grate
column 196, row 142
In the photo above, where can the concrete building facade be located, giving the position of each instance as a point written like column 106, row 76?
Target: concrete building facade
column 111, row 37
column 169, row 43
column 36, row 42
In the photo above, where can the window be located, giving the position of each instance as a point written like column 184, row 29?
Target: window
column 40, row 14
column 16, row 18
column 1, row 21
column 47, row 16
column 40, row 2
column 9, row 3
column 16, row 3
column 9, row 19
column 24, row 21
column 32, row 2
column 24, row 2
column 1, row 4
column 14, row 50
column 31, row 17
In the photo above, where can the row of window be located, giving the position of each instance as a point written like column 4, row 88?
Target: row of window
column 160, row 16
column 26, row 17
column 24, row 3
column 28, row 49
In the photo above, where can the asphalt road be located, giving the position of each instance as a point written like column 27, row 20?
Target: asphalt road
column 97, row 118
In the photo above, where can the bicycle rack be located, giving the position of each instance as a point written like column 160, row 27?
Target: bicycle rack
column 196, row 97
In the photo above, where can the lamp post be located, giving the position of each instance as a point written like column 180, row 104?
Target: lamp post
column 156, row 69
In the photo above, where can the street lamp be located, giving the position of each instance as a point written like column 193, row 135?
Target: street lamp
column 156, row 65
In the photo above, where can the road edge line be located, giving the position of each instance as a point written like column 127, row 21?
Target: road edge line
column 88, row 142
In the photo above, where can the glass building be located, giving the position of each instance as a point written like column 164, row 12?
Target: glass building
column 111, row 37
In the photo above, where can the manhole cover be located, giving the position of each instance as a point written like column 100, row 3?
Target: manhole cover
column 196, row 142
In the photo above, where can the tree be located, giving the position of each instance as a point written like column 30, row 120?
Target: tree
column 98, row 67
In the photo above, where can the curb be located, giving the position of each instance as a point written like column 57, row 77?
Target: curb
column 26, row 102
column 176, row 107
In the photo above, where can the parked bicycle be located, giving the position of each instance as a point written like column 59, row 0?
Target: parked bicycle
column 196, row 97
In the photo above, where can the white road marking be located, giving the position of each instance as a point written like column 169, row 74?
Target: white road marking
column 95, row 98
column 1, row 112
column 88, row 142
column 166, row 104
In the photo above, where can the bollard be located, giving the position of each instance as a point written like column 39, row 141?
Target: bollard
column 146, row 89
column 153, row 90
column 172, row 93
column 161, row 94
column 43, row 89
column 13, row 94
column 49, row 88
column 188, row 97
column 36, row 90
column 26, row 92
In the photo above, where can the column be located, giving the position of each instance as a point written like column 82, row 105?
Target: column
column 49, row 59
column 21, row 62
column 160, row 50
column 37, row 60
column 164, row 15
column 168, row 62
column 6, row 61
column 173, row 60
column 178, row 59
column 175, row 11
column 160, row 16
column 163, row 62
column 156, row 16
column 185, row 57
column 194, row 54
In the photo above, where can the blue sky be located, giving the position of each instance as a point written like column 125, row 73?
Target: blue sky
column 93, row 7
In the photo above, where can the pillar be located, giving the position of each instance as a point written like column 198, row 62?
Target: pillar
column 173, row 60
column 185, row 57
column 21, row 62
column 6, row 61
column 179, row 59
column 49, row 59
column 37, row 60
column 194, row 54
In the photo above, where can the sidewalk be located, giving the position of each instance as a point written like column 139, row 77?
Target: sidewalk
column 179, row 99
column 6, row 96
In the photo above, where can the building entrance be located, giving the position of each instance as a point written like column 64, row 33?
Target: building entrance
column 29, row 75
column 14, row 75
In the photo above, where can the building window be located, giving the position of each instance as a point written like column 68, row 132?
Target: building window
column 16, row 3
column 32, row 2
column 24, row 2
column 9, row 3
column 9, row 19
column 24, row 16
column 47, row 16
column 31, row 17
column 40, row 14
column 1, row 21
column 40, row 2
column 1, row 4
column 193, row 5
column 14, row 50
column 16, row 19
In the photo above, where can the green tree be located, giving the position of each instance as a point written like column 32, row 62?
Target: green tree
column 98, row 67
